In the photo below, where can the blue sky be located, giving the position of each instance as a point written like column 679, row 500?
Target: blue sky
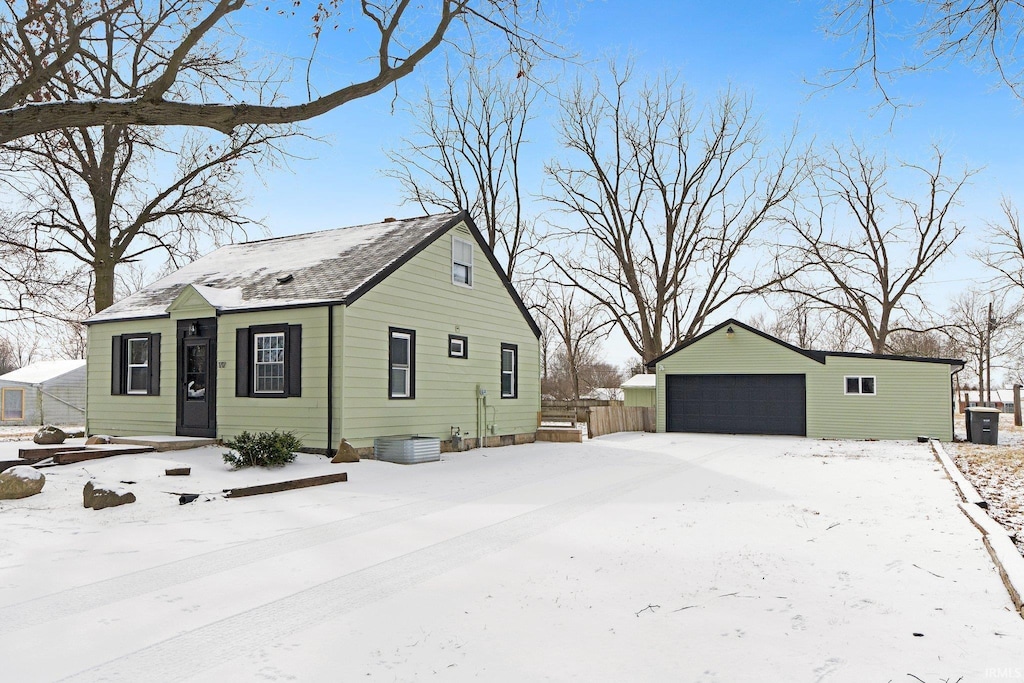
column 767, row 48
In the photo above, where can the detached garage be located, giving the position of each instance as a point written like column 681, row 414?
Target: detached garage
column 735, row 379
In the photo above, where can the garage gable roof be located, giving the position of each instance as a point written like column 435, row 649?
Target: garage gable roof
column 817, row 356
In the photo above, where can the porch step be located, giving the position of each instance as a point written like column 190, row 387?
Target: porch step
column 164, row 442
column 560, row 434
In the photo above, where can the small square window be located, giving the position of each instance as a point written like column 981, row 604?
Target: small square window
column 458, row 347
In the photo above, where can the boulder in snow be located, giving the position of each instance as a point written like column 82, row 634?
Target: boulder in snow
column 98, row 496
column 97, row 439
column 346, row 453
column 20, row 481
column 49, row 435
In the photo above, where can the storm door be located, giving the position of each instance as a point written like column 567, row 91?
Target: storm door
column 197, row 408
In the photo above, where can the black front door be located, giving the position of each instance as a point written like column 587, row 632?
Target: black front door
column 197, row 370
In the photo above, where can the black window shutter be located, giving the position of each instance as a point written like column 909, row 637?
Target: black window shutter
column 116, row 368
column 154, row 364
column 293, row 350
column 242, row 365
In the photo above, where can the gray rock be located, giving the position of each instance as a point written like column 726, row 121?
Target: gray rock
column 20, row 481
column 49, row 435
column 99, row 496
column 97, row 439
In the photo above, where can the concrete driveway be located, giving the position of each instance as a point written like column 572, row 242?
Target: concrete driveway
column 632, row 557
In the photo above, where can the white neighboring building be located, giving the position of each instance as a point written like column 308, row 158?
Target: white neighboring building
column 1001, row 399
column 47, row 392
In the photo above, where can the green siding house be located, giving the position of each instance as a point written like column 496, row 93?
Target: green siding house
column 738, row 380
column 406, row 327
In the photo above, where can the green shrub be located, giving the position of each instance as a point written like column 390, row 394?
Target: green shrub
column 263, row 449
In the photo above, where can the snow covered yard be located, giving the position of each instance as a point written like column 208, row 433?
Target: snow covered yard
column 997, row 472
column 630, row 557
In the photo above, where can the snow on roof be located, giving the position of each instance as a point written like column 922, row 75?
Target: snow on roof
column 42, row 371
column 311, row 268
column 640, row 381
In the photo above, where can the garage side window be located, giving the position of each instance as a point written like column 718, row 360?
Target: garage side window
column 12, row 402
column 135, row 364
column 860, row 386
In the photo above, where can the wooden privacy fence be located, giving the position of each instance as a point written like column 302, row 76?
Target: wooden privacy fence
column 568, row 411
column 611, row 419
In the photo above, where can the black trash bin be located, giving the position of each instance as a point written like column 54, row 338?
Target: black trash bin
column 983, row 425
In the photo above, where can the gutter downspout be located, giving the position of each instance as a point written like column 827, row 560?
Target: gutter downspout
column 330, row 379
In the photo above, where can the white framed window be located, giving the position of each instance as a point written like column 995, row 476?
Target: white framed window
column 138, row 366
column 509, row 371
column 458, row 347
column 401, row 363
column 12, row 403
column 268, row 363
column 860, row 385
column 462, row 262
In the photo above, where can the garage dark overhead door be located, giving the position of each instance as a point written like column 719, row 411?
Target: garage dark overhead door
column 736, row 404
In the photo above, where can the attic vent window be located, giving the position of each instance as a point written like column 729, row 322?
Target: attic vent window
column 285, row 279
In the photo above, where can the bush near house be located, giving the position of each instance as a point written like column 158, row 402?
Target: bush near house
column 262, row 449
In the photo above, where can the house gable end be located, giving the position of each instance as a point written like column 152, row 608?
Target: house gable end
column 190, row 303
column 462, row 218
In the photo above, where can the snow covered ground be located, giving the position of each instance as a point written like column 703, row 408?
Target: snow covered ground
column 997, row 472
column 632, row 557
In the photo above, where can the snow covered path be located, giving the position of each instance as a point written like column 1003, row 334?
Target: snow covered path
column 631, row 557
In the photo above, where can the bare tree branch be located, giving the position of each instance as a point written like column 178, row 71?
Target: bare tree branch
column 664, row 202
column 861, row 250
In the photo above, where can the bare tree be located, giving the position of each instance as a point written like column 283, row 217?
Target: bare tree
column 1004, row 250
column 797, row 320
column 8, row 357
column 97, row 198
column 984, row 327
column 39, row 39
column 466, row 152
column 870, row 269
column 985, row 35
column 663, row 201
column 578, row 327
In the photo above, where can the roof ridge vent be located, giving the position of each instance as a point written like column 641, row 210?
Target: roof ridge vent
column 285, row 279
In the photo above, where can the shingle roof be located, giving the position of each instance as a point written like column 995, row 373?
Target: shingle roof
column 319, row 267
